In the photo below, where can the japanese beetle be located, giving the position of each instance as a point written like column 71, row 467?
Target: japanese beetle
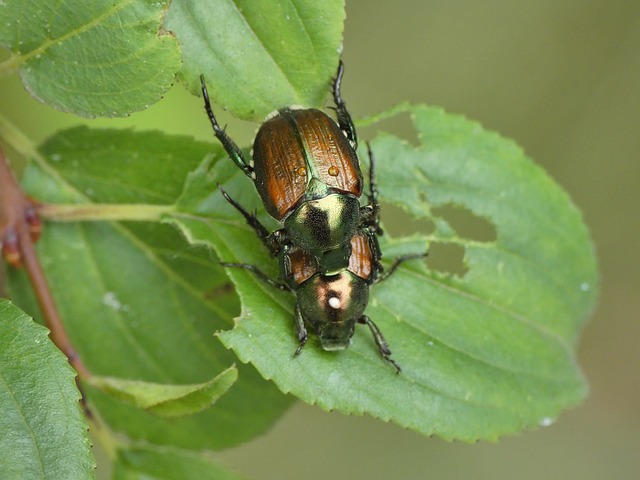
column 307, row 173
column 329, row 303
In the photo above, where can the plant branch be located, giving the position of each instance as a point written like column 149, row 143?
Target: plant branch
column 18, row 140
column 104, row 212
column 19, row 228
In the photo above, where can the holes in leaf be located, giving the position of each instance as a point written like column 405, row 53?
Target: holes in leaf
column 399, row 223
column 446, row 258
column 397, row 125
column 219, row 291
column 466, row 223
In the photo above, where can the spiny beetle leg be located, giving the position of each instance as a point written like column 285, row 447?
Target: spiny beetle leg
column 301, row 331
column 397, row 262
column 259, row 274
column 383, row 347
column 344, row 118
column 229, row 145
column 370, row 214
column 273, row 241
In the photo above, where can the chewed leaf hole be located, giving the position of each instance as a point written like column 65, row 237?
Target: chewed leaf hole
column 447, row 258
column 398, row 125
column 398, row 223
column 466, row 223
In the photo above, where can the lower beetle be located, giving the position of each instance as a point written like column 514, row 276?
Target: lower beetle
column 330, row 304
column 307, row 173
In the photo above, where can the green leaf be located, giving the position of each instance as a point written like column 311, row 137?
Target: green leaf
column 138, row 302
column 142, row 463
column 253, row 66
column 42, row 431
column 167, row 400
column 118, row 166
column 483, row 354
column 102, row 58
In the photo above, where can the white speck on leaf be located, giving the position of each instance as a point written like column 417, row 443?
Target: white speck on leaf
column 110, row 300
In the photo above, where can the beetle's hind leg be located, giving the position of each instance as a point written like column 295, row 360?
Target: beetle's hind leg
column 383, row 347
column 301, row 331
column 229, row 145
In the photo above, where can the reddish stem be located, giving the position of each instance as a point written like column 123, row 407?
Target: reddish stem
column 19, row 228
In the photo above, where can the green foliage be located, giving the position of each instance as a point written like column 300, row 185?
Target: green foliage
column 140, row 463
column 149, row 303
column 484, row 353
column 105, row 58
column 258, row 56
column 164, row 400
column 42, row 430
column 113, row 58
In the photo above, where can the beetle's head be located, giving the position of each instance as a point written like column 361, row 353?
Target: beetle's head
column 331, row 305
column 325, row 223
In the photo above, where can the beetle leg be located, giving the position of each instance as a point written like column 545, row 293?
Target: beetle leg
column 272, row 241
column 229, row 145
column 376, row 255
column 397, row 262
column 371, row 213
column 301, row 331
column 383, row 347
column 277, row 241
column 373, row 191
column 344, row 118
column 259, row 274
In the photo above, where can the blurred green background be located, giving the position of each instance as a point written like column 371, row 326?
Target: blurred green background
column 560, row 77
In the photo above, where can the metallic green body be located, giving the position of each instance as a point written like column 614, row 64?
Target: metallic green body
column 331, row 306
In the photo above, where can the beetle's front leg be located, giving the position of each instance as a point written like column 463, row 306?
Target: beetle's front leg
column 344, row 118
column 229, row 145
column 301, row 331
column 383, row 347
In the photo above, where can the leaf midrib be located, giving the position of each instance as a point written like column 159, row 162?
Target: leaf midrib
column 21, row 58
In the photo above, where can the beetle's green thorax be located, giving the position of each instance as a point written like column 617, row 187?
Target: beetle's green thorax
column 323, row 224
column 331, row 306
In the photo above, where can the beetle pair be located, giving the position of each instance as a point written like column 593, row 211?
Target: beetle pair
column 307, row 173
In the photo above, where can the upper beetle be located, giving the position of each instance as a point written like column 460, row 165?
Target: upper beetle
column 307, row 172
